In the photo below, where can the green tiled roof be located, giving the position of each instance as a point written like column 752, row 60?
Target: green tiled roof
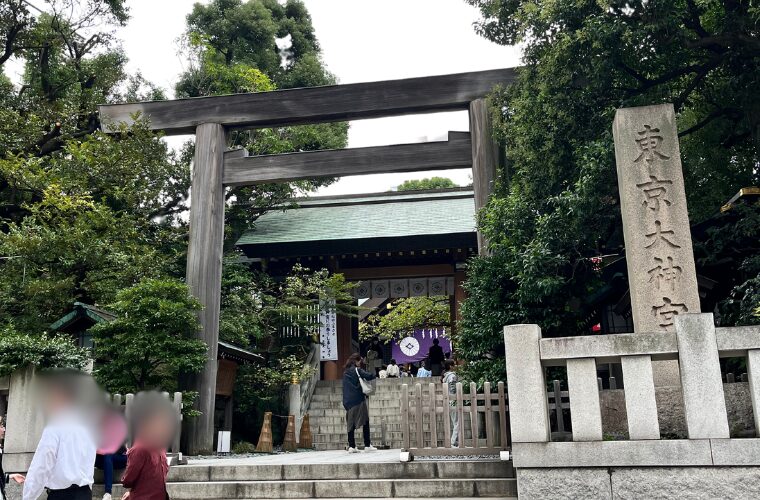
column 388, row 215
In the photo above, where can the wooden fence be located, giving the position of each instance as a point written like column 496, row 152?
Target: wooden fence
column 483, row 414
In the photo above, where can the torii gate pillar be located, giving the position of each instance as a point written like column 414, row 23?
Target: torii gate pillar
column 204, row 274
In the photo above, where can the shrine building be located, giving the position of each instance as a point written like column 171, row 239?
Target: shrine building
column 394, row 244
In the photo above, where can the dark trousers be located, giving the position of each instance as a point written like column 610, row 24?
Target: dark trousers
column 108, row 463
column 71, row 493
column 352, row 438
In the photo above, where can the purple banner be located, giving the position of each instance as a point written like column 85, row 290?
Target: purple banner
column 414, row 348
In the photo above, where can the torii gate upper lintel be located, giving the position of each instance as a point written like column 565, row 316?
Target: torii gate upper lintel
column 214, row 168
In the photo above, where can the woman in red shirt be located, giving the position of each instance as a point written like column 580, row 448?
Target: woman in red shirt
column 153, row 425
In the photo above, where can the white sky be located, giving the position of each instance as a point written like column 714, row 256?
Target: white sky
column 362, row 40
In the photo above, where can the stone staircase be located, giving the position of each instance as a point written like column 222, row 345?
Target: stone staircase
column 423, row 479
column 328, row 418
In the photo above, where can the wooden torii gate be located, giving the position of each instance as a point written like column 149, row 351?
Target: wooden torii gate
column 214, row 167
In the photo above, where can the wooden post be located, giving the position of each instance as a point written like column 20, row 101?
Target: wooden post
column 433, row 417
column 446, row 416
column 405, row 416
column 129, row 399
column 489, row 414
column 460, row 414
column 558, row 406
column 474, row 414
column 503, row 432
column 204, row 273
column 177, row 404
column 485, row 156
column 419, row 415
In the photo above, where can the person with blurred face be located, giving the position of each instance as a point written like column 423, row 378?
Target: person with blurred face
column 6, row 478
column 62, row 462
column 153, row 423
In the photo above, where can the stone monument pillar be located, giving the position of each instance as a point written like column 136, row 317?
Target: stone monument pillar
column 661, row 272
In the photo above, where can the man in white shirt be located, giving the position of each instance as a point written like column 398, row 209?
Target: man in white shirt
column 63, row 462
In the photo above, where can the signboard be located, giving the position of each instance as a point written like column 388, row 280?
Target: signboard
column 328, row 333
column 414, row 347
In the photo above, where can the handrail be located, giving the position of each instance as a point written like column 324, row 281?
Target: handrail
column 555, row 351
column 308, row 385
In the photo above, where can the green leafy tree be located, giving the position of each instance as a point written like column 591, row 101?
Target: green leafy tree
column 255, row 306
column 69, row 248
column 82, row 214
column 232, row 46
column 19, row 350
column 152, row 339
column 557, row 205
column 426, row 183
column 406, row 315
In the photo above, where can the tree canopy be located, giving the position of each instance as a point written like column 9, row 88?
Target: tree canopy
column 556, row 205
column 91, row 217
column 251, row 46
column 152, row 340
column 426, row 183
column 406, row 315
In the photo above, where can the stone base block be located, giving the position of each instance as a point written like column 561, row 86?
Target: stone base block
column 639, row 482
column 547, row 484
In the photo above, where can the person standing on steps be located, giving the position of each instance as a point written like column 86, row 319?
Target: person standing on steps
column 435, row 356
column 450, row 378
column 355, row 402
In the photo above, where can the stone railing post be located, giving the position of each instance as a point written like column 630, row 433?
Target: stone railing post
column 753, row 374
column 526, row 385
column 294, row 407
column 640, row 403
column 704, row 402
column 585, row 413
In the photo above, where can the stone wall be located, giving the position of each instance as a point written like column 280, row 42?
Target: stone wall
column 670, row 411
column 638, row 482
column 24, row 422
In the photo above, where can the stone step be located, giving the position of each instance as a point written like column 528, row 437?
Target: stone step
column 394, row 397
column 322, row 426
column 383, row 388
column 381, row 385
column 317, row 471
column 374, row 405
column 340, row 412
column 365, row 488
column 394, row 436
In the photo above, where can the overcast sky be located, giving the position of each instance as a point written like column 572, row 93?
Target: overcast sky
column 362, row 40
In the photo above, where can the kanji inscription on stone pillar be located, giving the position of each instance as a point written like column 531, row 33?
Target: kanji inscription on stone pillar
column 661, row 274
